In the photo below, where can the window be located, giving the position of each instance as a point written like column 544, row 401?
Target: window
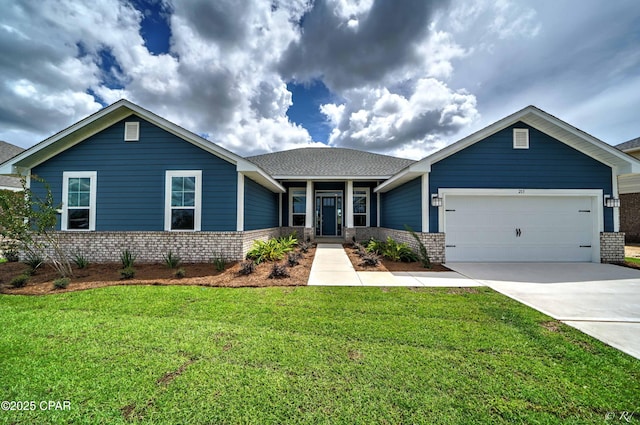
column 131, row 131
column 521, row 138
column 297, row 206
column 78, row 200
column 361, row 206
column 183, row 200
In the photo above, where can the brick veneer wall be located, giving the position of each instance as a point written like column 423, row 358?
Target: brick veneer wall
column 196, row 247
column 630, row 216
column 612, row 247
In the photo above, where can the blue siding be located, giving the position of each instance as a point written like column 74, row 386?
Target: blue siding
column 493, row 163
column 401, row 206
column 131, row 178
column 260, row 206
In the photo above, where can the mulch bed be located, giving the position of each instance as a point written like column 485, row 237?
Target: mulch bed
column 390, row 266
column 107, row 274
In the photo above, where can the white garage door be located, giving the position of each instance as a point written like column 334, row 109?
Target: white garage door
column 520, row 228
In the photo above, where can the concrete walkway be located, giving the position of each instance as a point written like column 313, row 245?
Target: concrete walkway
column 332, row 267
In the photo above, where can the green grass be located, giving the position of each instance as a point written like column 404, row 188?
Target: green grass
column 341, row 355
column 632, row 260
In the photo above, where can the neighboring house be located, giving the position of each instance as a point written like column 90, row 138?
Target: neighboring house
column 630, row 196
column 8, row 151
column 529, row 187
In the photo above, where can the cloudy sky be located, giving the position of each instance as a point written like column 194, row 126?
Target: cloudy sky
column 402, row 77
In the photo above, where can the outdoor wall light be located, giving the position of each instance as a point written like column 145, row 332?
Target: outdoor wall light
column 611, row 202
column 436, row 201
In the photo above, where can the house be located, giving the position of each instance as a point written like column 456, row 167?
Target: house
column 529, row 187
column 8, row 151
column 630, row 196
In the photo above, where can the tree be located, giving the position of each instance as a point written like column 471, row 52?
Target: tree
column 28, row 225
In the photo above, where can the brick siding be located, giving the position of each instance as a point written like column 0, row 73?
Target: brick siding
column 192, row 247
column 630, row 216
column 611, row 247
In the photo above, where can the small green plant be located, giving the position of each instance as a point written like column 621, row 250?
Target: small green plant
column 370, row 259
column 80, row 260
column 279, row 271
column 293, row 259
column 61, row 283
column 247, row 267
column 3, row 260
column 219, row 263
column 423, row 255
column 12, row 255
column 393, row 250
column 34, row 261
column 128, row 272
column 172, row 260
column 19, row 281
column 180, row 273
column 127, row 258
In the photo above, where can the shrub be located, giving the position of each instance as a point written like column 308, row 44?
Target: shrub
column 128, row 272
column 293, row 259
column 171, row 260
column 392, row 250
column 12, row 255
column 127, row 258
column 180, row 273
column 359, row 249
column 34, row 261
column 423, row 255
column 219, row 263
column 19, row 281
column 247, row 267
column 80, row 260
column 279, row 271
column 61, row 283
column 370, row 259
column 304, row 247
column 273, row 249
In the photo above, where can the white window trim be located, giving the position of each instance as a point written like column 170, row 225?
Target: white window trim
column 524, row 131
column 131, row 131
column 198, row 198
column 291, row 190
column 367, row 206
column 93, row 184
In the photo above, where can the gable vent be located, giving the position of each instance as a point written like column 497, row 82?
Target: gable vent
column 521, row 138
column 131, row 131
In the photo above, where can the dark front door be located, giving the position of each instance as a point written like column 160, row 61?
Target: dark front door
column 328, row 216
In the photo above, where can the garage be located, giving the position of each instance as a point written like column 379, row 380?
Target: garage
column 521, row 225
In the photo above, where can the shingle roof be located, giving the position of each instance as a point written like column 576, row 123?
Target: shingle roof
column 8, row 151
column 329, row 162
column 632, row 144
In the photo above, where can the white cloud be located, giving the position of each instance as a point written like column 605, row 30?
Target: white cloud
column 378, row 120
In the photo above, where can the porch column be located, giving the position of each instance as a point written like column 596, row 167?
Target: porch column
column 240, row 204
column 348, row 210
column 279, row 209
column 426, row 203
column 309, row 203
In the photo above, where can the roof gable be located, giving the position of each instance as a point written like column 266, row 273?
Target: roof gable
column 538, row 119
column 112, row 114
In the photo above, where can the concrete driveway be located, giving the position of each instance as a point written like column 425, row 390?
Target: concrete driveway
column 601, row 300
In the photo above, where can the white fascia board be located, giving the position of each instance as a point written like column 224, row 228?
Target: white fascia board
column 409, row 173
column 329, row 178
column 260, row 176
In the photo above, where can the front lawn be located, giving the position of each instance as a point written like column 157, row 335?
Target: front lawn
column 155, row 354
